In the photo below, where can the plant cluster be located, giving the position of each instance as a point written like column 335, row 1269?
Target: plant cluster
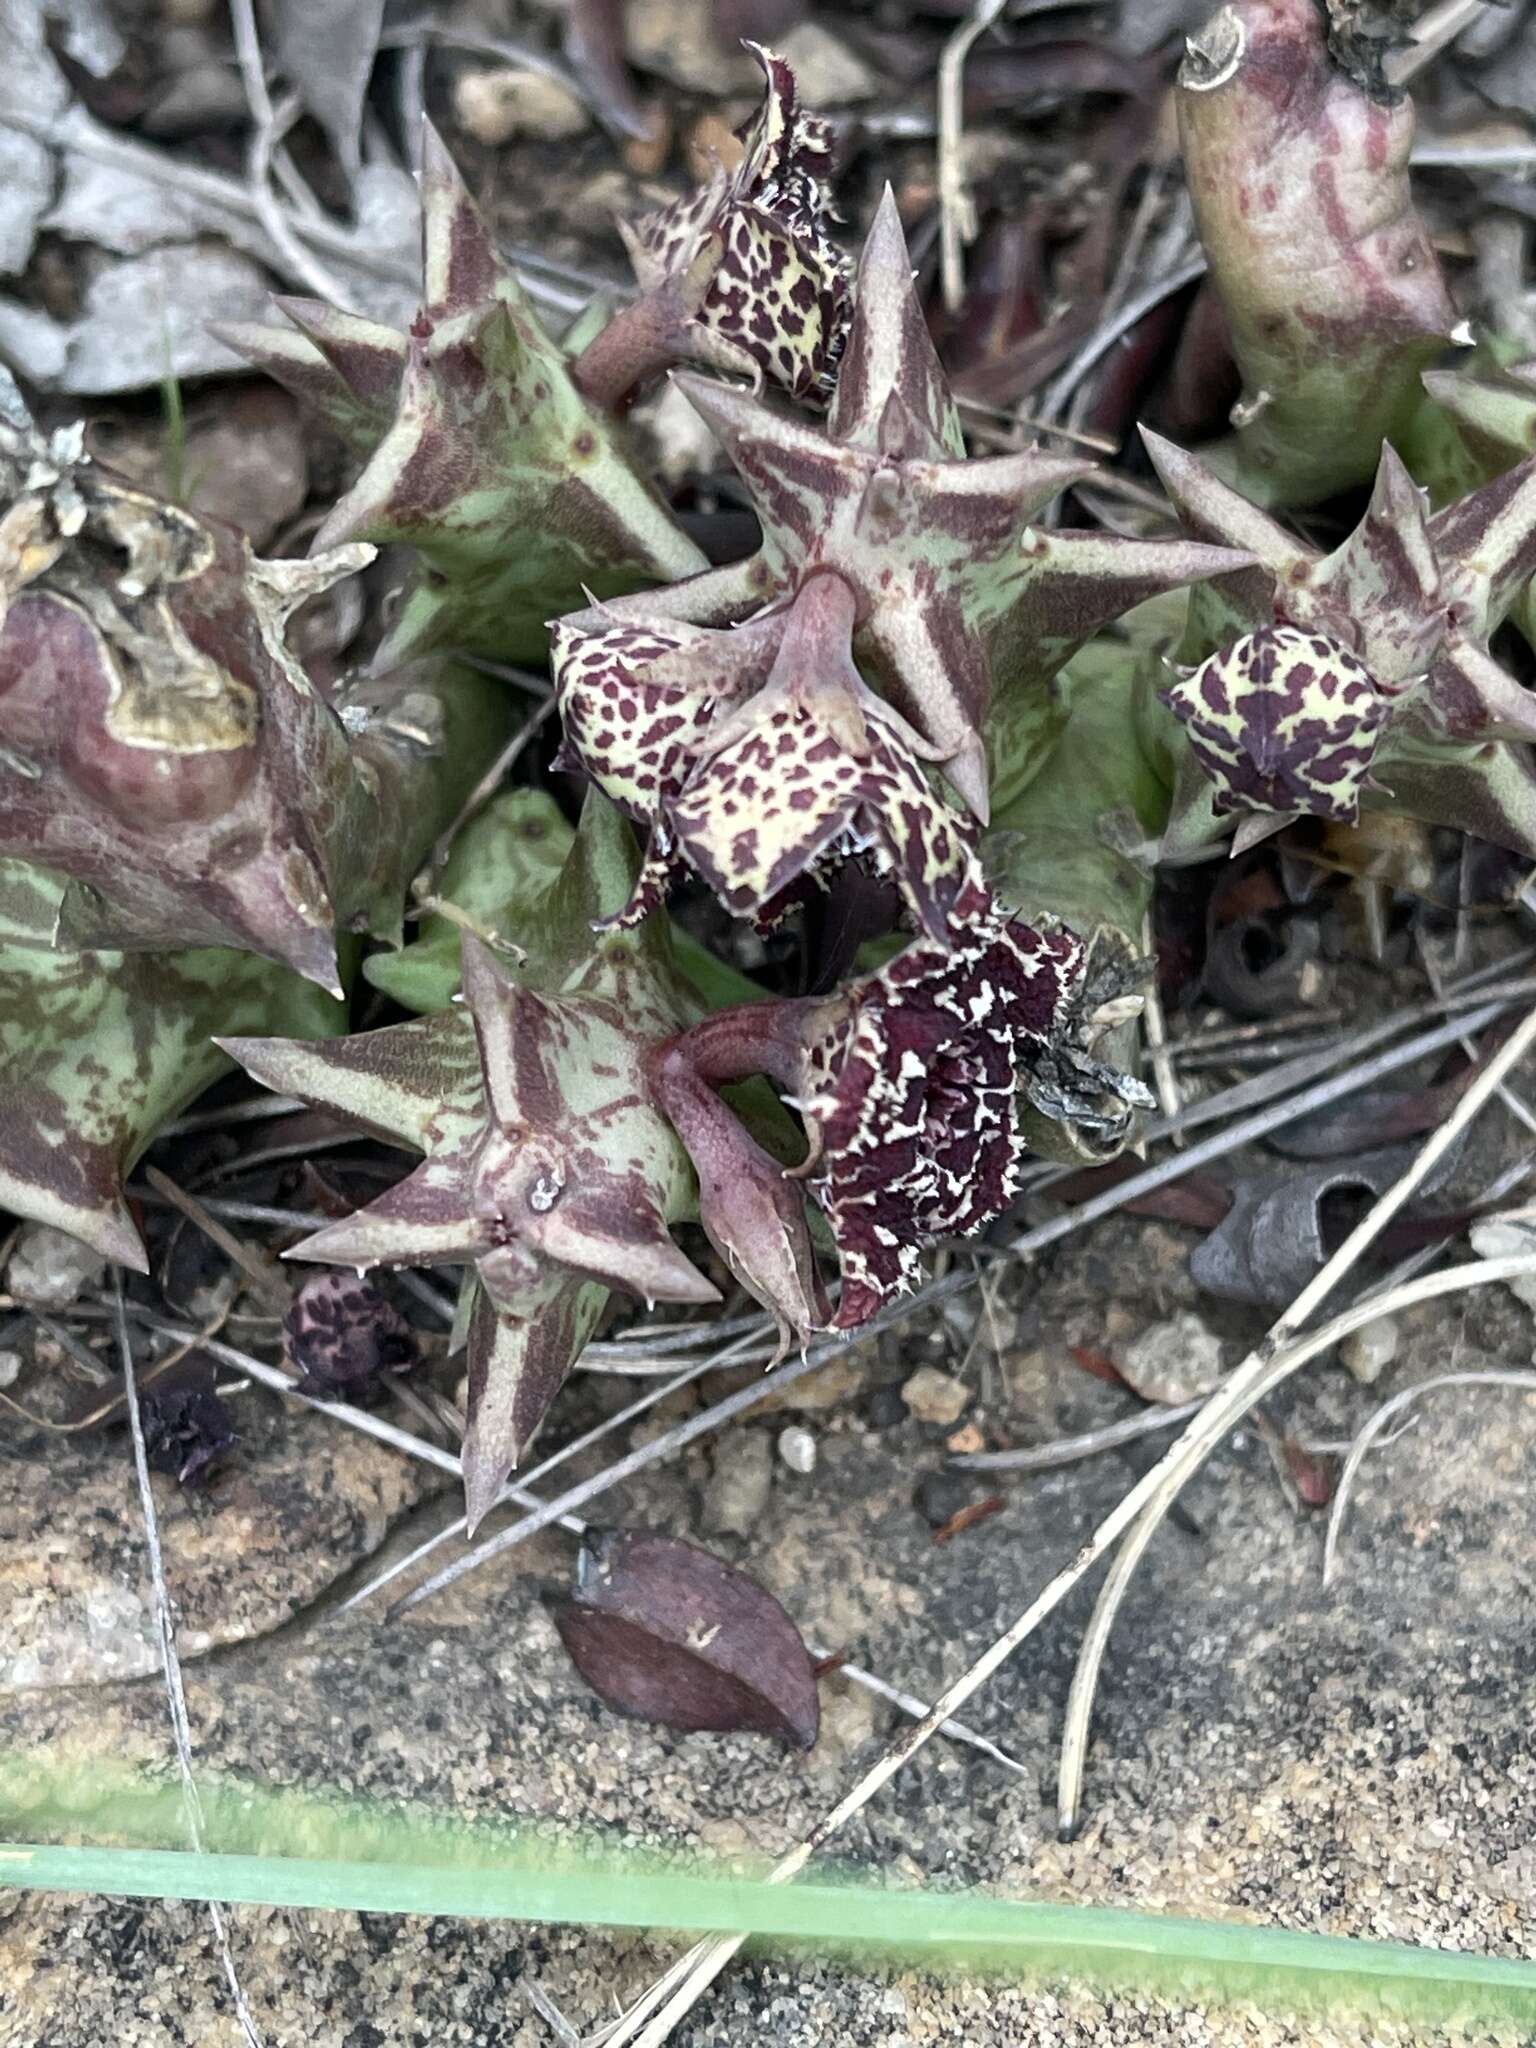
column 950, row 736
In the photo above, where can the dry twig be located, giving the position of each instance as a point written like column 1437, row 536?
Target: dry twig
column 175, row 1692
column 957, row 211
column 266, row 132
column 1371, row 1430
column 651, row 2020
column 1140, row 1511
column 1074, row 1741
column 682, row 1434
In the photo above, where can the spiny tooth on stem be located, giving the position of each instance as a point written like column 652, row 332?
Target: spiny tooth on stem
column 517, row 1362
column 628, row 1248
column 966, row 772
column 459, row 259
column 423, row 1220
column 890, row 351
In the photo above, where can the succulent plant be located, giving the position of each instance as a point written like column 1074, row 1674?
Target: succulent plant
column 167, row 752
column 1333, row 294
column 517, row 492
column 1365, row 673
column 1481, row 423
column 744, row 276
column 893, row 574
column 501, row 861
column 548, row 1169
column 99, row 1050
column 911, row 679
column 1481, row 419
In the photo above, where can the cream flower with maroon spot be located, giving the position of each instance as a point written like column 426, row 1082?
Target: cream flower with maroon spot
column 775, row 299
column 759, row 757
column 1283, row 721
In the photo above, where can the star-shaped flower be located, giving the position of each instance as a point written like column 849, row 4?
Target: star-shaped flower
column 758, row 756
column 548, row 1170
column 1412, row 596
column 948, row 574
column 516, row 491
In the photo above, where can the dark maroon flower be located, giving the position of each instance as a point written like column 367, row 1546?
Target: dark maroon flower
column 909, row 1083
column 342, row 1334
column 187, row 1428
column 910, row 1092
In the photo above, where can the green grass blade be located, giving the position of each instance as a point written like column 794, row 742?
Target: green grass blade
column 378, row 1859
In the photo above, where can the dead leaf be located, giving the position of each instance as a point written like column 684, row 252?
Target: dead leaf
column 325, row 49
column 664, row 1631
column 967, row 1517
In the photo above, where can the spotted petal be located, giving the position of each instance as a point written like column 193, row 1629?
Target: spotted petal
column 912, row 1097
column 764, row 810
column 637, row 696
column 1283, row 721
column 777, row 301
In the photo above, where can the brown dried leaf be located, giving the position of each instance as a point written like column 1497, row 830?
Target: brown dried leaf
column 326, row 48
column 664, row 1631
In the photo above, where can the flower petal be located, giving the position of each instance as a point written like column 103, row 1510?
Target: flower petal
column 1283, row 721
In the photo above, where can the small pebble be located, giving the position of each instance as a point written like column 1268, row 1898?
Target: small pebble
column 934, row 1396
column 827, row 72
column 495, row 106
column 51, row 1269
column 1178, row 1360
column 941, row 1495
column 10, row 1368
column 797, row 1447
column 1504, row 1237
column 1368, row 1351
column 885, row 1407
column 646, row 155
